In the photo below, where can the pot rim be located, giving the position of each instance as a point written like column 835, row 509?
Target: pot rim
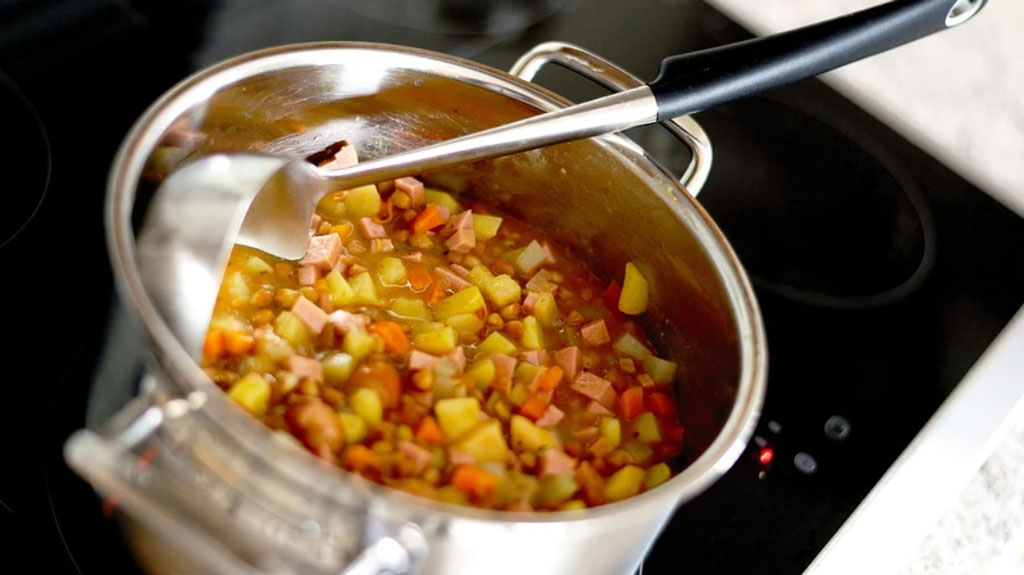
column 137, row 146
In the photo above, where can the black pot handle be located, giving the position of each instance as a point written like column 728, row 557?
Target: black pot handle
column 696, row 81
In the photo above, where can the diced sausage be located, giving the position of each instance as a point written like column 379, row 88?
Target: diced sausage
column 310, row 314
column 413, row 188
column 551, row 417
column 307, row 275
column 548, row 252
column 315, row 222
column 574, row 318
column 323, row 251
column 304, row 367
column 381, row 246
column 456, row 458
column 462, row 241
column 421, row 360
column 343, row 321
column 461, row 221
column 343, row 158
column 530, row 301
column 504, row 366
column 568, row 358
column 370, row 229
column 454, row 282
column 461, row 271
column 587, row 433
column 444, row 213
column 595, row 409
column 595, row 333
column 316, row 425
column 412, row 459
column 596, row 388
column 458, row 357
column 556, row 461
column 415, row 257
column 535, row 356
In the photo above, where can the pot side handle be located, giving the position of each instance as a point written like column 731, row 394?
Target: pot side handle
column 605, row 73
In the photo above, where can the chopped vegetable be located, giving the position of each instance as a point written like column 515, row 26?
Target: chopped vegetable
column 367, row 405
column 486, row 227
column 395, row 340
column 481, row 372
column 530, row 258
column 624, row 483
column 633, row 299
column 338, row 367
column 656, row 475
column 457, row 415
column 611, row 431
column 358, row 343
column 631, row 402
column 340, row 290
column 497, row 343
column 502, row 290
column 428, row 219
column 252, row 392
column 647, row 428
column 533, row 336
column 437, row 342
column 469, row 300
column 354, row 426
column 661, row 371
column 473, row 480
column 443, row 199
column 391, row 271
column 526, row 435
column 407, row 308
column 362, row 202
column 631, row 346
column 255, row 265
column 485, row 443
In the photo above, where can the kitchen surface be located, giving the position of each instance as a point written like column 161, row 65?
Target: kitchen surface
column 878, row 213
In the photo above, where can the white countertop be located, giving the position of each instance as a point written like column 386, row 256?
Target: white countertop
column 954, row 501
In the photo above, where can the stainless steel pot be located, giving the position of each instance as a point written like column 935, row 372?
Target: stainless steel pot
column 202, row 487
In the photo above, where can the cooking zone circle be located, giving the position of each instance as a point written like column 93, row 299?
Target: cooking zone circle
column 31, row 157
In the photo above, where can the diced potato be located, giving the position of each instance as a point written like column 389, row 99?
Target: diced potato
column 485, row 443
column 437, row 342
column 633, row 299
column 425, row 327
column 457, row 416
column 257, row 363
column 515, row 487
column 449, row 494
column 468, row 300
column 497, row 343
column 574, row 505
column 274, row 347
column 647, row 427
column 519, row 394
column 530, row 258
column 485, row 226
column 255, row 265
column 410, row 308
column 661, row 370
column 624, row 483
column 481, row 372
column 332, row 206
column 545, row 309
column 391, row 271
column 252, row 392
column 527, row 436
column 441, row 198
column 466, row 323
column 365, row 290
column 341, row 292
column 237, row 287
column 502, row 290
column 225, row 322
column 630, row 345
column 367, row 405
column 611, row 431
column 358, row 343
column 338, row 367
column 638, row 450
column 533, row 337
column 362, row 202
column 556, row 489
column 656, row 475
column 480, row 275
column 292, row 329
column 525, row 372
column 354, row 426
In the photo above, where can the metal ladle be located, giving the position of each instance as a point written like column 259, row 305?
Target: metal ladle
column 271, row 200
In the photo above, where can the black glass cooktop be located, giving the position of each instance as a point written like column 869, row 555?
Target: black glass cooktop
column 882, row 275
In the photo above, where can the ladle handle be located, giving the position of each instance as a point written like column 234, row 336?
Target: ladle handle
column 696, row 81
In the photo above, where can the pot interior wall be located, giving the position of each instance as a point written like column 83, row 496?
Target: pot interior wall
column 588, row 194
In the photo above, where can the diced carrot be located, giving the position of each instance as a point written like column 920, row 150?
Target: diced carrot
column 429, row 432
column 420, row 279
column 550, row 378
column 213, row 345
column 437, row 293
column 631, row 402
column 382, row 377
column 611, row 294
column 428, row 219
column 675, row 432
column 533, row 408
column 473, row 480
column 238, row 343
column 661, row 404
column 395, row 340
column 344, row 231
column 361, row 459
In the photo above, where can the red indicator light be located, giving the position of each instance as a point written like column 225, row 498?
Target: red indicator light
column 766, row 456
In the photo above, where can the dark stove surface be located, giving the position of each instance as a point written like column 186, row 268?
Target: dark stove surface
column 882, row 275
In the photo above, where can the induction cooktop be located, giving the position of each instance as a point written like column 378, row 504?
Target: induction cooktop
column 882, row 275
